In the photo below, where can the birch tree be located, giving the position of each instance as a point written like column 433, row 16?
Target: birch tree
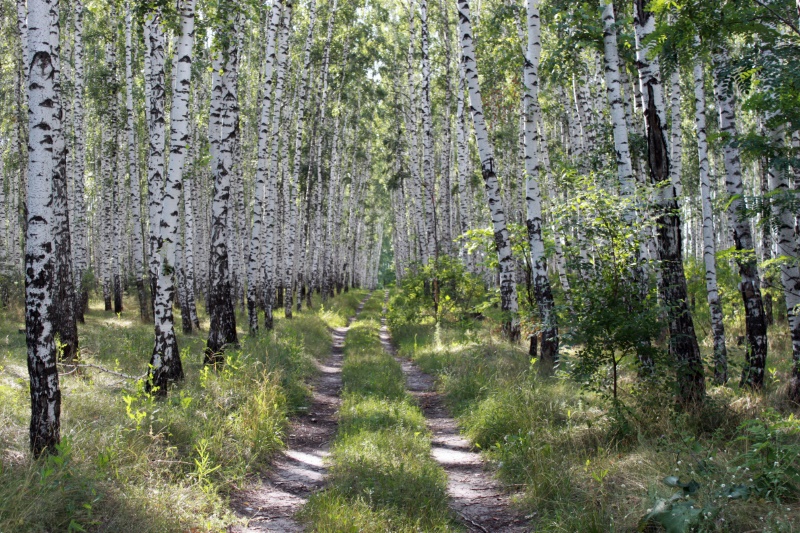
column 264, row 130
column 672, row 283
column 709, row 245
column 44, row 125
column 64, row 319
column 270, row 217
column 431, row 237
column 165, row 364
column 541, row 284
column 508, row 286
column 80, row 243
column 294, row 209
column 225, row 103
column 155, row 102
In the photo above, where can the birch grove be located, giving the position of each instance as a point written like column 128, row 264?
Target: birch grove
column 540, row 168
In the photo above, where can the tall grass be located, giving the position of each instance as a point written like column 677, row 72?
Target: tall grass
column 578, row 470
column 129, row 462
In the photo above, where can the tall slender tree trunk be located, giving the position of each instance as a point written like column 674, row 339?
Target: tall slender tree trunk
column 508, row 286
column 264, row 131
column 225, row 98
column 676, row 135
column 155, row 96
column 462, row 151
column 133, row 173
column 615, row 102
column 44, row 121
column 709, row 246
column 428, row 179
column 64, row 319
column 112, row 175
column 165, row 364
column 541, row 284
column 80, row 242
column 271, row 223
column 317, row 265
column 294, row 207
column 672, row 283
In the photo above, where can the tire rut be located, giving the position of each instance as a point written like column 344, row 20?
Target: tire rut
column 476, row 498
column 300, row 470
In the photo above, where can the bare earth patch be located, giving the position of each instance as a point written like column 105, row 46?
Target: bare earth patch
column 476, row 497
column 271, row 503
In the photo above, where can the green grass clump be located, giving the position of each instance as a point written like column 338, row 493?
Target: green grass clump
column 390, row 468
column 130, row 460
column 382, row 476
column 331, row 512
column 336, row 312
column 360, row 413
column 368, row 370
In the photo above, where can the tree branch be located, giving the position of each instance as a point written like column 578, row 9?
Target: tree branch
column 778, row 16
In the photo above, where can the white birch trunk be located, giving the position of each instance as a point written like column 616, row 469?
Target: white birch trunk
column 294, row 207
column 133, row 171
column 225, row 103
column 786, row 243
column 79, row 229
column 166, row 363
column 264, row 131
column 411, row 119
column 616, row 105
column 541, row 284
column 155, row 95
column 750, row 286
column 270, row 216
column 676, row 140
column 508, row 286
column 428, row 189
column 316, row 267
column 672, row 283
column 44, row 122
column 462, row 151
column 709, row 248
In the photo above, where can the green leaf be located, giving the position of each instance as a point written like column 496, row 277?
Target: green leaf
column 671, row 481
column 678, row 517
column 737, row 492
column 688, row 488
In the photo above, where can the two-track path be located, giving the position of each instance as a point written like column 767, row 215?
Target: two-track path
column 475, row 496
column 271, row 503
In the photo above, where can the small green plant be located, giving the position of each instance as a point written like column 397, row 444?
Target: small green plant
column 203, row 467
column 772, row 455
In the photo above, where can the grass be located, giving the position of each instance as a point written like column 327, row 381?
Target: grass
column 579, row 468
column 127, row 458
column 382, row 476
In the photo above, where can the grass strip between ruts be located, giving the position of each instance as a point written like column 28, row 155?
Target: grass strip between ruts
column 382, row 475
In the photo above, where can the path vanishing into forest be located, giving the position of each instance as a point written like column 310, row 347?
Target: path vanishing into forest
column 270, row 504
column 476, row 497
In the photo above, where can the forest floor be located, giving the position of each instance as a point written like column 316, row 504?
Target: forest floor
column 380, row 433
column 474, row 500
column 271, row 503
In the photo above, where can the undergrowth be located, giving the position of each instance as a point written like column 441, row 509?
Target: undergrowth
column 730, row 466
column 131, row 462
